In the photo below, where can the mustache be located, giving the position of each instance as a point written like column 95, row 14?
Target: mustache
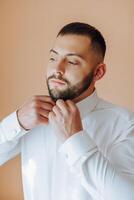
column 59, row 77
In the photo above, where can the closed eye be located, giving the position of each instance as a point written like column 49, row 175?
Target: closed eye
column 52, row 59
column 73, row 63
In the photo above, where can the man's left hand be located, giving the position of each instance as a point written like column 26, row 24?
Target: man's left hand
column 65, row 119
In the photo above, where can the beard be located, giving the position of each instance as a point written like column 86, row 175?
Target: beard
column 71, row 91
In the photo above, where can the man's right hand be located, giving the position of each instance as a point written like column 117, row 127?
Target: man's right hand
column 35, row 111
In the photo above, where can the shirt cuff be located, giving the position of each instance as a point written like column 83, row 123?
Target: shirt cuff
column 77, row 146
column 11, row 127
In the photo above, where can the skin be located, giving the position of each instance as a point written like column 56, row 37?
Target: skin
column 35, row 111
column 72, row 59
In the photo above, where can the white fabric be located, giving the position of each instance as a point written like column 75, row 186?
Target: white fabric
column 94, row 164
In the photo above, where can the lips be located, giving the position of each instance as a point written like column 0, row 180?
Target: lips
column 57, row 81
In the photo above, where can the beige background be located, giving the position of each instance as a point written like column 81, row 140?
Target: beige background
column 27, row 31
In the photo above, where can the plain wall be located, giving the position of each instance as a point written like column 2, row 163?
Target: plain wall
column 27, row 32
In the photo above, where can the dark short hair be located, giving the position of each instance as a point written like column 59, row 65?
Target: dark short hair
column 98, row 43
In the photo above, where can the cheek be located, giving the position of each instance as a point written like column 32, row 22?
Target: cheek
column 48, row 71
column 75, row 76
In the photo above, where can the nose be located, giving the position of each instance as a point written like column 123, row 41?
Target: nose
column 59, row 67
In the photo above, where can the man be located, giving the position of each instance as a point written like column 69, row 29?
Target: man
column 74, row 145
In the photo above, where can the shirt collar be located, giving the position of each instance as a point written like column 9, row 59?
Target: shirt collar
column 88, row 104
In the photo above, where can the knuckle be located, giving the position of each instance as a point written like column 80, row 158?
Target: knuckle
column 59, row 101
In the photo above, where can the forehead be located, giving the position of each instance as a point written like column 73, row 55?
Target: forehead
column 72, row 44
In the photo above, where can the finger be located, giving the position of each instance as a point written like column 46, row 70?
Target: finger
column 44, row 98
column 43, row 112
column 51, row 115
column 42, row 120
column 45, row 106
column 57, row 111
column 63, row 106
column 72, row 106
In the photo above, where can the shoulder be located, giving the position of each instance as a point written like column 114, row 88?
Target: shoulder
column 115, row 111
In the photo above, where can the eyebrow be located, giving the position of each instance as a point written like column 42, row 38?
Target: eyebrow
column 69, row 54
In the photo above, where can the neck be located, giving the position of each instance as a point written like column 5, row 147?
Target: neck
column 85, row 94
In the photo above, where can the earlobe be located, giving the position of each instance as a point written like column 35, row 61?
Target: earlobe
column 99, row 72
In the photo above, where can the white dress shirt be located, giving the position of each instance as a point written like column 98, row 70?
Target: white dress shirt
column 94, row 164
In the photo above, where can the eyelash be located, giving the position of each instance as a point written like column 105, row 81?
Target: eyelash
column 52, row 59
column 72, row 63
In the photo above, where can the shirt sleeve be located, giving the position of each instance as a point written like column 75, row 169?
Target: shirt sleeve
column 10, row 134
column 98, row 175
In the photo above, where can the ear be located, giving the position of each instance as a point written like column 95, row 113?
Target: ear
column 99, row 72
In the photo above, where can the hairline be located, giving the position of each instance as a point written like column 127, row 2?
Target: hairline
column 96, row 53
